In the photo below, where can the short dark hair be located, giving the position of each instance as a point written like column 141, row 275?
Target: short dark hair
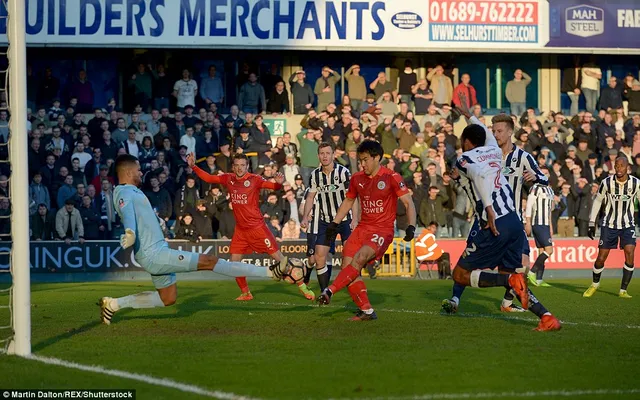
column 503, row 118
column 622, row 157
column 432, row 223
column 372, row 148
column 433, row 187
column 240, row 156
column 124, row 161
column 474, row 134
column 322, row 145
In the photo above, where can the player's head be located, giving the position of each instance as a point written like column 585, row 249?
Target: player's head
column 621, row 166
column 502, row 126
column 240, row 164
column 473, row 136
column 370, row 154
column 325, row 154
column 128, row 170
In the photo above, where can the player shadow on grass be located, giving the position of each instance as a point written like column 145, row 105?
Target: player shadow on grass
column 571, row 288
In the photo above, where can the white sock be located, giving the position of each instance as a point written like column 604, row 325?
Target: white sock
column 596, row 285
column 456, row 300
column 368, row 311
column 322, row 270
column 506, row 303
column 235, row 269
column 539, row 281
column 149, row 299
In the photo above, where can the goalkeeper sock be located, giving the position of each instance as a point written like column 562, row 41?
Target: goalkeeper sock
column 344, row 278
column 627, row 273
column 323, row 278
column 240, row 270
column 358, row 292
column 150, row 299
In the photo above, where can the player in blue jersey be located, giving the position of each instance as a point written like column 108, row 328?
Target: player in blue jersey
column 497, row 238
column 152, row 252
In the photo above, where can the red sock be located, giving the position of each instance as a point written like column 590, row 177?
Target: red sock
column 358, row 292
column 344, row 278
column 242, row 284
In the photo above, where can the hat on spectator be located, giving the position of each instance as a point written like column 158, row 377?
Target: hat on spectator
column 298, row 178
column 301, row 72
column 571, row 148
column 371, row 96
column 183, row 147
column 613, row 152
column 593, row 156
column 244, row 129
column 104, row 166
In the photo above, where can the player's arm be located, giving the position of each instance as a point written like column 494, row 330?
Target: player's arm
column 308, row 206
column 529, row 211
column 595, row 208
column 126, row 210
column 271, row 185
column 532, row 173
column 206, row 176
column 411, row 215
column 484, row 182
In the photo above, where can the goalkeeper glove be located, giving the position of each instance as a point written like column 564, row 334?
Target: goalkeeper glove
column 330, row 235
column 128, row 238
column 410, row 232
column 592, row 231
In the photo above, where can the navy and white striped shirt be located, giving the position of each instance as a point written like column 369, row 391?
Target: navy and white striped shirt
column 315, row 214
column 514, row 165
column 618, row 199
column 331, row 190
column 481, row 178
column 540, row 205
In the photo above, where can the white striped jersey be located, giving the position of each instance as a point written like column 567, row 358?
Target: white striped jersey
column 514, row 165
column 540, row 205
column 481, row 178
column 331, row 190
column 618, row 199
column 315, row 214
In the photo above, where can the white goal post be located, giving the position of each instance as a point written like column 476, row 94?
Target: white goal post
column 19, row 188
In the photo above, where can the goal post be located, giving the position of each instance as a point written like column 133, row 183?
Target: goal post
column 19, row 188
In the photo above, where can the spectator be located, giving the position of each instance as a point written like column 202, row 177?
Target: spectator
column 465, row 91
column 357, row 87
column 422, row 97
column 185, row 90
column 291, row 230
column 106, row 207
column 92, row 167
column 81, row 155
column 77, row 173
column 48, row 89
column 189, row 141
column 39, row 193
column 142, row 83
column 279, row 101
column 571, row 84
column 407, row 80
column 591, row 75
column 567, row 210
column 82, row 89
column 326, row 87
column 69, row 223
column 186, row 198
column 108, row 147
column 252, row 97
column 432, row 208
column 271, row 79
column 55, row 111
column 381, row 85
column 586, row 195
column 211, row 89
column 187, row 229
column 131, row 145
column 633, row 98
column 516, row 92
column 441, row 86
column 91, row 220
column 302, row 92
column 162, row 87
column 290, row 169
column 35, row 156
column 611, row 95
column 275, row 228
column 42, row 224
column 271, row 208
column 97, row 182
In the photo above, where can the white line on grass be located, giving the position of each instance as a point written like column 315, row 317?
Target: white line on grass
column 548, row 393
column 183, row 387
column 469, row 315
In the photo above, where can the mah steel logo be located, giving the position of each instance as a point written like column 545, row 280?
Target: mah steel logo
column 584, row 21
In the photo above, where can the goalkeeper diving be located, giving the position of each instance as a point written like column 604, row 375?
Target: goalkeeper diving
column 152, row 252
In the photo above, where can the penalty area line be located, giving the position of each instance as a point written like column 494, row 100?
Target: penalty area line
column 466, row 315
column 164, row 382
column 494, row 395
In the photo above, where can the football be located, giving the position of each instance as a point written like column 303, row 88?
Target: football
column 295, row 272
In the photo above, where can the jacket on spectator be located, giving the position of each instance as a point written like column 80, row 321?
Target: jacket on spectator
column 39, row 194
column 468, row 91
column 186, row 199
column 43, row 228
column 516, row 91
column 65, row 192
column 439, row 85
column 302, row 95
column 252, row 95
column 433, row 210
column 569, row 80
column 278, row 102
column 62, row 222
column 611, row 97
column 91, row 222
column 324, row 98
column 161, row 201
column 260, row 138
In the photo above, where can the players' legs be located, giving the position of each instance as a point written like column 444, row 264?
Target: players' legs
column 349, row 277
column 324, row 276
column 537, row 272
column 230, row 268
column 283, row 260
column 507, row 300
column 241, row 281
column 311, row 265
column 627, row 271
column 598, row 265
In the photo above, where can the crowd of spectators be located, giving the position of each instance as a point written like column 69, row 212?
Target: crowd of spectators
column 71, row 155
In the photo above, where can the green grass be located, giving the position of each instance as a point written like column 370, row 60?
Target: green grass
column 278, row 347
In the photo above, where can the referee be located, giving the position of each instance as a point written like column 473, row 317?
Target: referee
column 327, row 190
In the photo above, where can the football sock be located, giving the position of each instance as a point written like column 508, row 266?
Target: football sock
column 242, row 284
column 344, row 278
column 507, row 300
column 488, row 279
column 457, row 291
column 150, row 299
column 239, row 270
column 323, row 277
column 535, row 306
column 538, row 266
column 597, row 271
column 307, row 276
column 358, row 292
column 627, row 273
column 329, row 270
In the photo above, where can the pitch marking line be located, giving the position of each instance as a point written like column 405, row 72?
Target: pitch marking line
column 469, row 315
column 554, row 393
column 183, row 387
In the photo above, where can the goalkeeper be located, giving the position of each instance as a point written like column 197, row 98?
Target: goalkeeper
column 143, row 233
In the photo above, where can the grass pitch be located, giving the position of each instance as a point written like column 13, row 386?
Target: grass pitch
column 279, row 347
